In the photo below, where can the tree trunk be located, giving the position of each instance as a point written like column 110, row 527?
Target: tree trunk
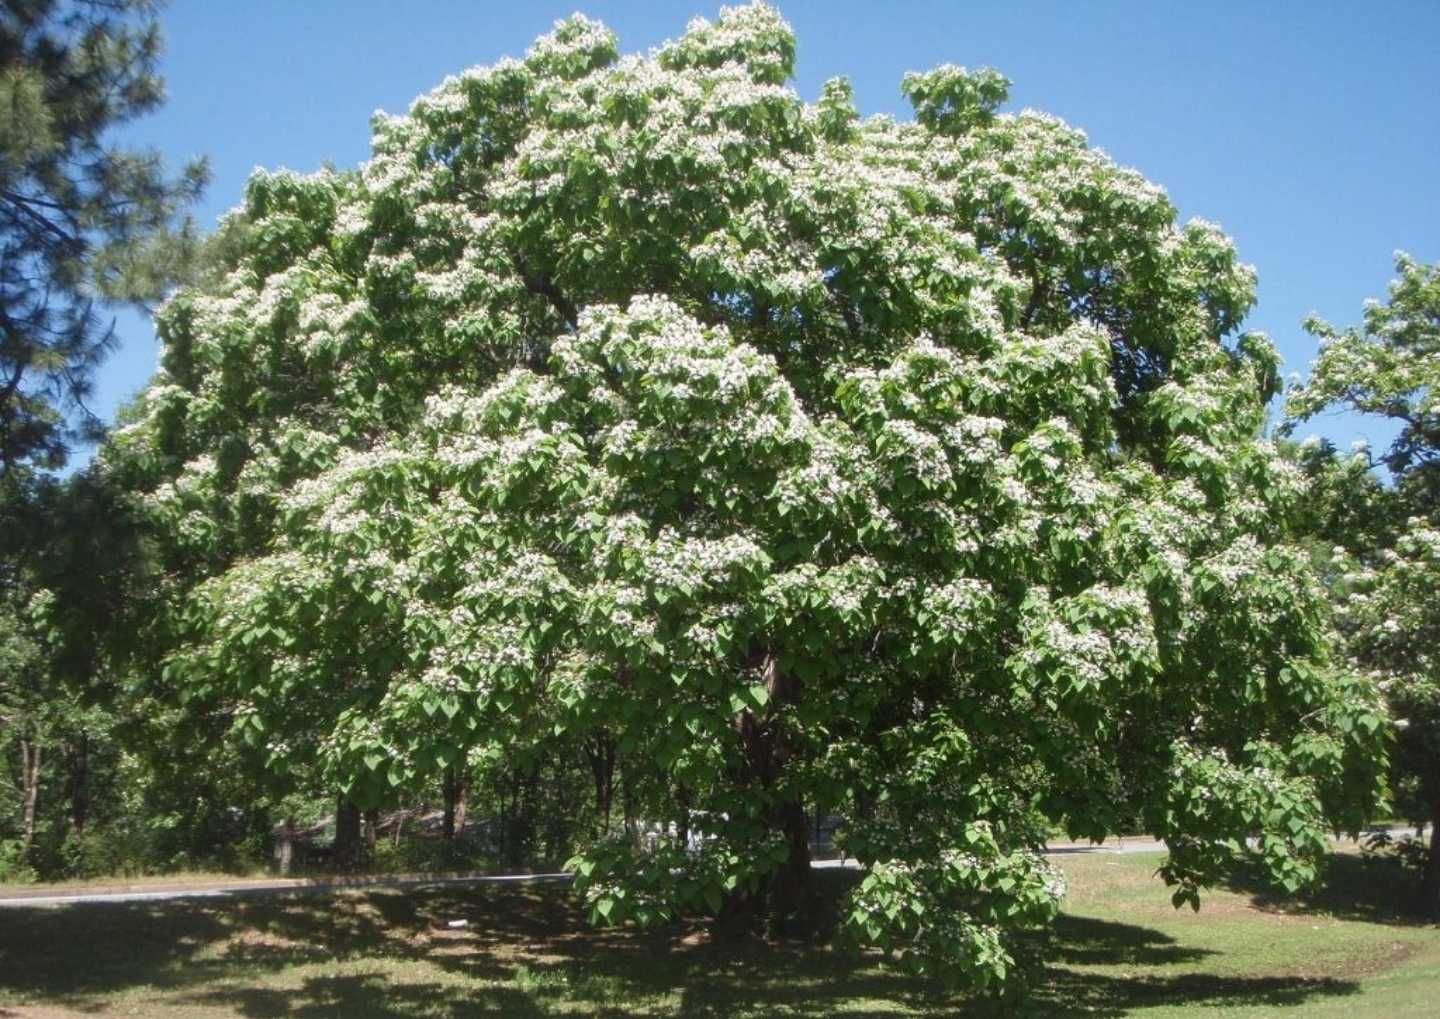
column 627, row 807
column 791, row 909
column 30, row 791
column 447, row 796
column 79, row 785
column 285, row 848
column 736, row 917
column 1430, row 884
column 519, row 825
column 501, row 821
column 453, row 787
column 347, row 834
column 462, row 800
column 787, row 900
column 682, row 828
column 600, row 752
column 372, row 823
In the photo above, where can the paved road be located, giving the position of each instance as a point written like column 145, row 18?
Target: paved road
column 304, row 886
column 1144, row 844
column 295, row 886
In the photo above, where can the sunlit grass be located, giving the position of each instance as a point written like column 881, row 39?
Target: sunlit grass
column 1119, row 949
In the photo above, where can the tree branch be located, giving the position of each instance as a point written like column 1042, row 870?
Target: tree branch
column 544, row 286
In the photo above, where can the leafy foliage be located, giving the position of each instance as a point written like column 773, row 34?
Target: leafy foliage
column 1387, row 366
column 1387, row 555
column 82, row 220
column 904, row 471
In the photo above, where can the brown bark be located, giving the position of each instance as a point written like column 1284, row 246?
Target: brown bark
column 600, row 752
column 372, row 824
column 790, row 905
column 462, row 803
column 30, row 791
column 453, row 787
column 347, row 834
column 285, row 848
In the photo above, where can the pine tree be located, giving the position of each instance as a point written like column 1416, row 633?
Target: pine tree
column 84, row 223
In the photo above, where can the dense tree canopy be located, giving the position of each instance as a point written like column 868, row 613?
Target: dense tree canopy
column 85, row 221
column 1387, row 555
column 905, row 471
column 82, row 220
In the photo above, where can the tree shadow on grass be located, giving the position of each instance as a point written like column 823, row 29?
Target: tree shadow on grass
column 1098, row 967
column 1086, row 941
column 72, row 952
column 368, row 995
column 1369, row 889
column 526, row 951
column 1069, row 993
column 757, row 977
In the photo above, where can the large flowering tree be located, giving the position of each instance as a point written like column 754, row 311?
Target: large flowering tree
column 905, row 471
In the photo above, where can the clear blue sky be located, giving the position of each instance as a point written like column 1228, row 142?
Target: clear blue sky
column 1309, row 130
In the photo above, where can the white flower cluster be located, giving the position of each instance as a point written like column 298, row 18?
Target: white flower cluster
column 959, row 608
column 689, row 564
column 975, row 440
column 327, row 322
column 919, row 451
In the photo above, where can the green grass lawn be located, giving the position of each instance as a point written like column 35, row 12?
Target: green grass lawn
column 1119, row 949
